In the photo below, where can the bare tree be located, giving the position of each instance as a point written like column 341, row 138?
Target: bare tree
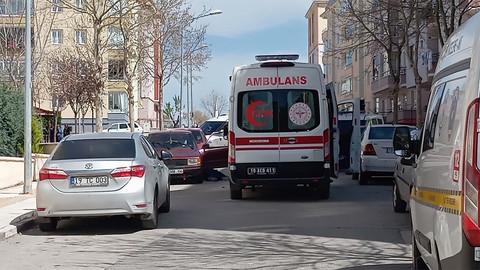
column 214, row 103
column 173, row 40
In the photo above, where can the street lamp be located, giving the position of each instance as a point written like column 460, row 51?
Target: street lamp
column 190, row 91
column 210, row 13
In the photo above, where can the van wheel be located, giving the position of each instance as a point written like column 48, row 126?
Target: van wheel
column 235, row 191
column 399, row 205
column 322, row 190
column 355, row 176
column 417, row 261
column 49, row 226
column 364, row 177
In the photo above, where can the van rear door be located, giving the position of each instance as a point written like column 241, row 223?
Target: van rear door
column 334, row 131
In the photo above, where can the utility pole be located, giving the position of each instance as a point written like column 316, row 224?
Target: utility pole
column 27, row 147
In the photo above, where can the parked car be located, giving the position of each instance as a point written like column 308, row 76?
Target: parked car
column 186, row 162
column 377, row 157
column 404, row 170
column 198, row 135
column 123, row 127
column 103, row 174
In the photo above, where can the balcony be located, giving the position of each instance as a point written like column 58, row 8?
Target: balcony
column 408, row 117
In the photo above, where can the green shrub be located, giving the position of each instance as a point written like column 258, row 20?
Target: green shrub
column 12, row 111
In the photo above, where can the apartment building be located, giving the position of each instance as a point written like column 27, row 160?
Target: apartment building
column 59, row 26
column 363, row 73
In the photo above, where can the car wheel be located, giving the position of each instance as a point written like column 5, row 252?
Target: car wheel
column 417, row 261
column 48, row 226
column 153, row 222
column 165, row 208
column 355, row 176
column 235, row 191
column 322, row 190
column 363, row 178
column 399, row 205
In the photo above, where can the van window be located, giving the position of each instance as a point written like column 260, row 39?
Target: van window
column 278, row 110
column 431, row 117
column 447, row 122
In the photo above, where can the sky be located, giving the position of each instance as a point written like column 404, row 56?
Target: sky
column 245, row 28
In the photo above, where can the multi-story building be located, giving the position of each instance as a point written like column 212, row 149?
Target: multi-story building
column 359, row 72
column 56, row 28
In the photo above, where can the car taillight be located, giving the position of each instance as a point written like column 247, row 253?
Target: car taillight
column 51, row 174
column 326, row 144
column 368, row 150
column 472, row 176
column 231, row 147
column 131, row 171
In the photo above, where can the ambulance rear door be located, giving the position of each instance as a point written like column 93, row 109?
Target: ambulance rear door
column 256, row 123
column 301, row 125
column 334, row 131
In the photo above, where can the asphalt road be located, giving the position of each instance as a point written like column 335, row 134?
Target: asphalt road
column 270, row 229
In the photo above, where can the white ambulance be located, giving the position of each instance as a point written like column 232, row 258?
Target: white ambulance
column 444, row 198
column 282, row 126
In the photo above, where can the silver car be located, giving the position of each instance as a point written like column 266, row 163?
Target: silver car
column 103, row 174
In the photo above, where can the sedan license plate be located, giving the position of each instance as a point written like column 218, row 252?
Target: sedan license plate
column 176, row 171
column 261, row 170
column 88, row 181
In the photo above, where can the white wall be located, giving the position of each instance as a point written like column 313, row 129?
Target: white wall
column 12, row 169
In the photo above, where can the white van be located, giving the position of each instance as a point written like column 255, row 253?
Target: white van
column 214, row 130
column 444, row 199
column 282, row 126
column 352, row 121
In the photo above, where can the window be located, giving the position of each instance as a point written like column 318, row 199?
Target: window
column 80, row 36
column 261, row 111
column 348, row 58
column 56, row 5
column 56, row 36
column 12, row 7
column 377, row 105
column 117, row 7
column 80, row 4
column 385, row 67
column 431, row 117
column 346, row 86
column 117, row 101
column 115, row 36
column 116, row 69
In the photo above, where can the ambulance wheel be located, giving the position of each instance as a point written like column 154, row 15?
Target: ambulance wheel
column 363, row 178
column 355, row 176
column 417, row 261
column 399, row 205
column 322, row 190
column 235, row 191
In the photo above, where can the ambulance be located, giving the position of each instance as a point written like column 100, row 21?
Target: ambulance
column 282, row 126
column 444, row 198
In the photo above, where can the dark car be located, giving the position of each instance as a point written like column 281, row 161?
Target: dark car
column 186, row 162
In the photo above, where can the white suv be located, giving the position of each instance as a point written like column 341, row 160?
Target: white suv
column 122, row 127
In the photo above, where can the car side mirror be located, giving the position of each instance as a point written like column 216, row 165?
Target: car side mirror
column 401, row 139
column 166, row 155
column 225, row 131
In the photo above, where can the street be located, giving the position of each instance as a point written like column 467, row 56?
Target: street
column 269, row 229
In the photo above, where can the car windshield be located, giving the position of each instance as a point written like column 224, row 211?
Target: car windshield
column 211, row 126
column 172, row 140
column 381, row 132
column 95, row 148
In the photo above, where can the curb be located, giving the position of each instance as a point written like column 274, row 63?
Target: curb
column 19, row 224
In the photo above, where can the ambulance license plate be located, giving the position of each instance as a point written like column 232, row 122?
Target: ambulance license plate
column 261, row 170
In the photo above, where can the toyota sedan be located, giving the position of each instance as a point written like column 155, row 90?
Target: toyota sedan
column 103, row 174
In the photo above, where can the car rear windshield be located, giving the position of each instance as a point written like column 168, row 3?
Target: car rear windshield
column 95, row 148
column 381, row 133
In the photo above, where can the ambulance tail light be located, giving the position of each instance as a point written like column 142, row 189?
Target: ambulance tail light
column 368, row 150
column 326, row 145
column 472, row 176
column 231, row 148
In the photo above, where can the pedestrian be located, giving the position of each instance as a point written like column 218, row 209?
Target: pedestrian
column 51, row 131
column 59, row 133
column 67, row 130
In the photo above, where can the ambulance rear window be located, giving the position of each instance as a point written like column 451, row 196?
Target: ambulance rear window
column 278, row 110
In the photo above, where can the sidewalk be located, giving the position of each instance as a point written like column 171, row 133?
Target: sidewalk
column 17, row 210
